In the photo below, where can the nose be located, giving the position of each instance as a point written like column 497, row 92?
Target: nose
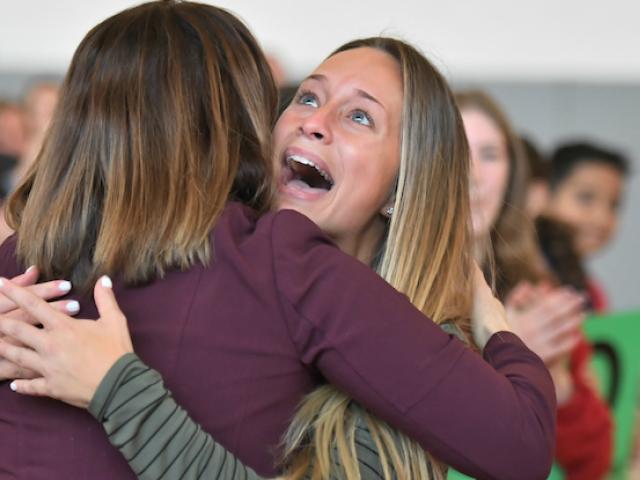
column 316, row 125
column 475, row 173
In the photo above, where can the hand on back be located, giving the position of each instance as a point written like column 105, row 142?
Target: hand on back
column 45, row 291
column 69, row 356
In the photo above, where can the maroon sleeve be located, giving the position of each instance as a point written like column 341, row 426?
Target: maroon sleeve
column 488, row 419
column 585, row 429
column 9, row 267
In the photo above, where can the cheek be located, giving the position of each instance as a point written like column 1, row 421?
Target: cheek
column 572, row 209
column 500, row 179
column 369, row 180
column 284, row 126
column 495, row 180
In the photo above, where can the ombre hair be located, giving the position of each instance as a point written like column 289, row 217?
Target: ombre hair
column 165, row 113
column 512, row 236
column 426, row 254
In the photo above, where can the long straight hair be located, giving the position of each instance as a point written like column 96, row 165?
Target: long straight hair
column 512, row 237
column 426, row 254
column 165, row 113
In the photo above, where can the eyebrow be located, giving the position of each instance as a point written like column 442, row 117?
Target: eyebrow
column 361, row 93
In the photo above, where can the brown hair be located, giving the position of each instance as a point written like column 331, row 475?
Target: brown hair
column 165, row 113
column 512, row 236
column 426, row 254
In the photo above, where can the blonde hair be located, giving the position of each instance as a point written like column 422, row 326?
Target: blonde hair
column 426, row 254
column 166, row 113
column 512, row 237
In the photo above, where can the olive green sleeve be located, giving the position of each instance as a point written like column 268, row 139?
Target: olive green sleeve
column 160, row 441
column 155, row 435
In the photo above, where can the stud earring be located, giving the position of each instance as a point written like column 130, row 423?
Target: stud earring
column 389, row 211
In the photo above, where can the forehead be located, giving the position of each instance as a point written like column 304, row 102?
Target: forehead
column 368, row 69
column 480, row 127
column 595, row 172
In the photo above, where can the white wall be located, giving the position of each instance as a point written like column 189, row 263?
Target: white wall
column 557, row 39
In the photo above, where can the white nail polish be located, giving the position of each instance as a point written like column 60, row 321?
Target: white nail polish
column 13, row 386
column 105, row 281
column 64, row 286
column 29, row 269
column 1, row 282
column 73, row 307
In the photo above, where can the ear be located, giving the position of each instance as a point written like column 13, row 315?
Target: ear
column 387, row 209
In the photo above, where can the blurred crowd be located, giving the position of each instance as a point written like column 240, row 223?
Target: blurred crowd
column 23, row 126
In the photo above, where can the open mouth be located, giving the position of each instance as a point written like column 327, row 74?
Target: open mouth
column 304, row 173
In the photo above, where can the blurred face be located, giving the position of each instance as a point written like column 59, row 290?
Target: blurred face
column 588, row 200
column 12, row 134
column 338, row 147
column 489, row 170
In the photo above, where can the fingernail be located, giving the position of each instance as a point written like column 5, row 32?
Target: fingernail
column 29, row 269
column 13, row 386
column 1, row 282
column 73, row 306
column 64, row 286
column 105, row 281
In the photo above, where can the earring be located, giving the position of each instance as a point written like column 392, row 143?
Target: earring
column 389, row 211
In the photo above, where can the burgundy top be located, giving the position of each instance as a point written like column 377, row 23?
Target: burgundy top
column 240, row 342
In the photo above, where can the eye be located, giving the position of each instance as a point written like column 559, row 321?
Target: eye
column 489, row 154
column 585, row 198
column 307, row 98
column 362, row 117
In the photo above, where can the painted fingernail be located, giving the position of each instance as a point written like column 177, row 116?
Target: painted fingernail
column 73, row 306
column 105, row 281
column 29, row 269
column 64, row 286
column 13, row 386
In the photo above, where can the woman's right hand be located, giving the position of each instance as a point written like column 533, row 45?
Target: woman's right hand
column 45, row 291
column 70, row 356
column 489, row 315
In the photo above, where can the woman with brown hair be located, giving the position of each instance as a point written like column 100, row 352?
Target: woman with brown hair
column 270, row 309
column 546, row 315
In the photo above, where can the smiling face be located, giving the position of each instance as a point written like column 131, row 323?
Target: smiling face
column 489, row 170
column 588, row 200
column 338, row 147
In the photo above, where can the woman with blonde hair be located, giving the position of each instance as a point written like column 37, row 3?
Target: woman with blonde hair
column 272, row 309
column 544, row 313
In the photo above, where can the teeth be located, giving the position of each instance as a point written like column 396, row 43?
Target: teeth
column 306, row 161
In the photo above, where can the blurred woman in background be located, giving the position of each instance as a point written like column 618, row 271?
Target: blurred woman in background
column 545, row 314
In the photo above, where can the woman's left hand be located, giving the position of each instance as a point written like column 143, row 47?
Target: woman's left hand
column 72, row 356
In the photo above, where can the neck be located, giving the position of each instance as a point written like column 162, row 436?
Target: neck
column 363, row 245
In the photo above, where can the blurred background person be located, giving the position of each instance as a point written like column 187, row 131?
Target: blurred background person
column 544, row 313
column 22, row 131
column 12, row 142
column 39, row 105
column 586, row 189
column 537, row 179
column 555, row 238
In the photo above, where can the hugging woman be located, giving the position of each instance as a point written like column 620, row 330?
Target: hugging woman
column 160, row 151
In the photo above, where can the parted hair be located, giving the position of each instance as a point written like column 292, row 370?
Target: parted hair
column 426, row 254
column 165, row 113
